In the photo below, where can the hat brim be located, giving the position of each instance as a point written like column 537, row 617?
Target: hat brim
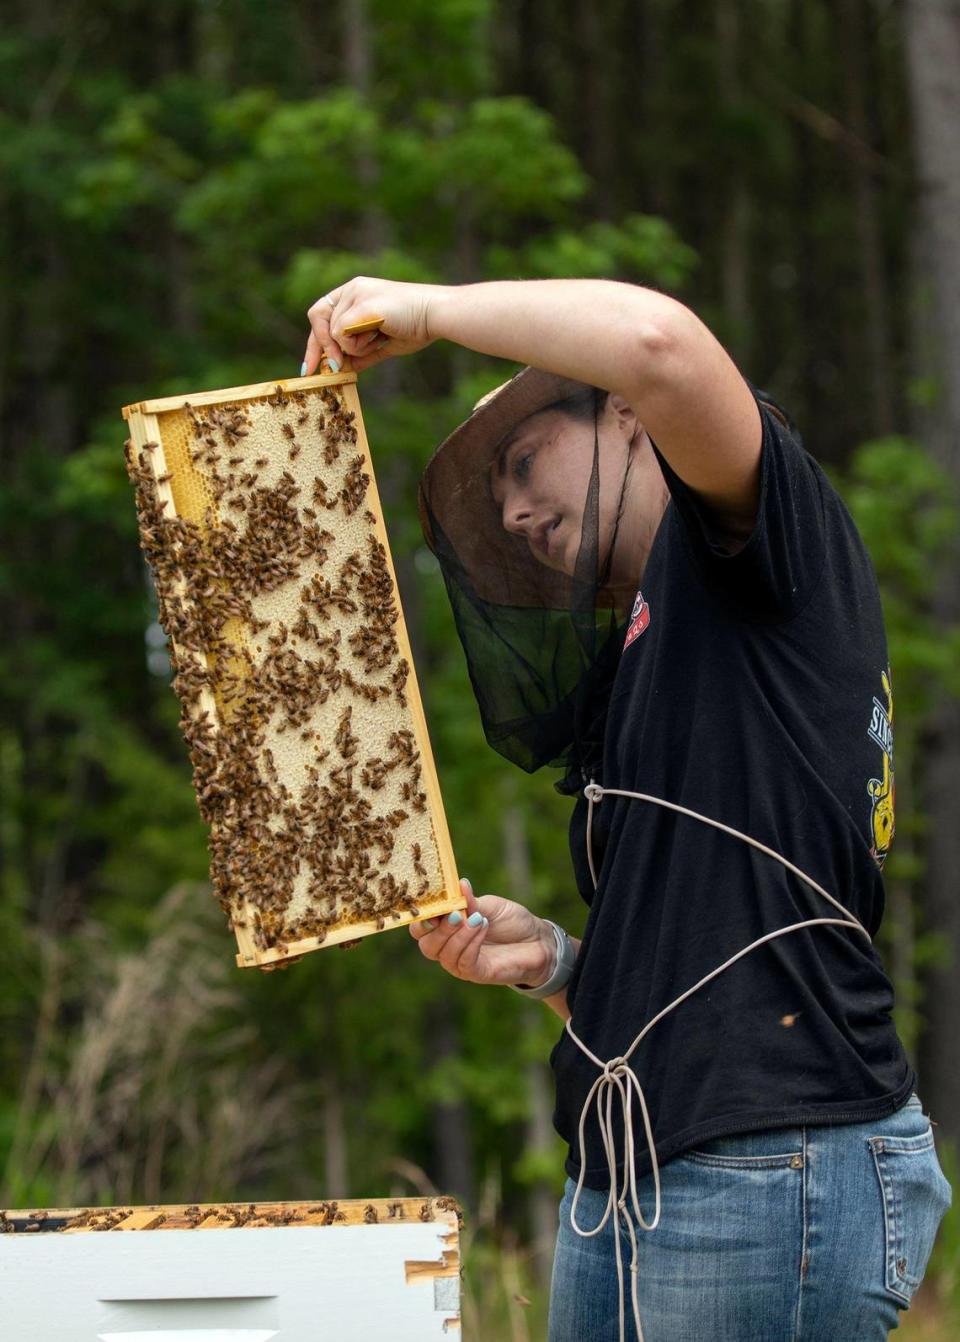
column 458, row 513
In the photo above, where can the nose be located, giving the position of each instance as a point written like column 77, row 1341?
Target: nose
column 515, row 514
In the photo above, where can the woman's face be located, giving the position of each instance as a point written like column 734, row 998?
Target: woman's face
column 541, row 478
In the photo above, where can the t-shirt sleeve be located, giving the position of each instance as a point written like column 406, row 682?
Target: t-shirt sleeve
column 775, row 572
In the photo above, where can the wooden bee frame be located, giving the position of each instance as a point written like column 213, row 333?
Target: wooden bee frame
column 378, row 1268
column 261, row 521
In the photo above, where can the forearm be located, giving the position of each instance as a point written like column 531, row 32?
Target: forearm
column 547, row 965
column 558, row 1002
column 601, row 332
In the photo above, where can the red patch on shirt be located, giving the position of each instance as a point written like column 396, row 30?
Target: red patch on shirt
column 639, row 619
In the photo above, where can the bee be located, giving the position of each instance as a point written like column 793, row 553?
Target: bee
column 162, row 479
column 288, row 431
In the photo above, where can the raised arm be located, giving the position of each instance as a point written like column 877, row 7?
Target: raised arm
column 687, row 392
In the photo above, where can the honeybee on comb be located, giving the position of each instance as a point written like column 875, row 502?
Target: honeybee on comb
column 300, row 706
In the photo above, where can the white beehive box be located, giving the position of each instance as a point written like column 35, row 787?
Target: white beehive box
column 295, row 1272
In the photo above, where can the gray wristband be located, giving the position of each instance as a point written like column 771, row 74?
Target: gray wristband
column 563, row 968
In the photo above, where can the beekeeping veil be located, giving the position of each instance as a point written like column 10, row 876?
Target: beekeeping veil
column 541, row 645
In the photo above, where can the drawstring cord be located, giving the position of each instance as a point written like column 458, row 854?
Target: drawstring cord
column 618, row 1079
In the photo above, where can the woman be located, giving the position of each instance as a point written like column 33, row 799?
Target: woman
column 657, row 587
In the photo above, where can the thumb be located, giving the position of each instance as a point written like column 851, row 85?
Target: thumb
column 466, row 888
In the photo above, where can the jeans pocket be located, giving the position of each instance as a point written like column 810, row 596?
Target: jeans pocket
column 915, row 1196
column 770, row 1149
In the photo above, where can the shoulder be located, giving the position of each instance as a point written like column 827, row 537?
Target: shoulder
column 703, row 416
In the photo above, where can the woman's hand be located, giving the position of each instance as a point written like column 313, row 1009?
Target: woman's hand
column 405, row 328
column 511, row 946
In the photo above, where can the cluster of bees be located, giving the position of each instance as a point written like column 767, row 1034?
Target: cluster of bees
column 235, row 1216
column 290, row 858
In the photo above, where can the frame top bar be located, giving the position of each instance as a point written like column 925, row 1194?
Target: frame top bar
column 247, row 393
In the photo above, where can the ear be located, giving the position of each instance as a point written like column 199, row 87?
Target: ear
column 624, row 416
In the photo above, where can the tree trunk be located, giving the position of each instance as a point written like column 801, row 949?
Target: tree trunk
column 336, row 1176
column 876, row 330
column 451, row 1119
column 735, row 228
column 932, row 32
column 599, row 132
column 358, row 60
column 539, row 1125
column 933, row 58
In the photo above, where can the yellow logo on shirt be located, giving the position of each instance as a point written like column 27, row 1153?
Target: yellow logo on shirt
column 882, row 790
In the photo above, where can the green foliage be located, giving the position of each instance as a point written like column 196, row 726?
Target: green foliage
column 907, row 512
column 640, row 247
column 314, row 270
column 905, row 508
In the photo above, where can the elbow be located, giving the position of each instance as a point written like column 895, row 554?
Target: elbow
column 658, row 348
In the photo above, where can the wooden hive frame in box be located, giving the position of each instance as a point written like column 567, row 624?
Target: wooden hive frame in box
column 260, row 519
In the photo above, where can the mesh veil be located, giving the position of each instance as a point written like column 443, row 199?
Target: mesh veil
column 541, row 646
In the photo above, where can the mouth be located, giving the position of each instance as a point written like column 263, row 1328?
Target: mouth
column 541, row 538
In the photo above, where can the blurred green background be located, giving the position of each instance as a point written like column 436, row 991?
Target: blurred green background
column 178, row 182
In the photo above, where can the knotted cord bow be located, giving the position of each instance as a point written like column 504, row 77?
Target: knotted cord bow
column 617, row 1077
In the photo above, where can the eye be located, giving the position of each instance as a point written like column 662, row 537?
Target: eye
column 521, row 466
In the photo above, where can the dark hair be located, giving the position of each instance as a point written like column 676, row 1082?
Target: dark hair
column 582, row 405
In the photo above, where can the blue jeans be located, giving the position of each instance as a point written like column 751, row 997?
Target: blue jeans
column 807, row 1234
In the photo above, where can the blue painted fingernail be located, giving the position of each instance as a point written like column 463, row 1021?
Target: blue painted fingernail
column 475, row 920
column 486, row 922
column 334, row 365
column 429, row 922
column 455, row 917
column 467, row 882
column 303, row 368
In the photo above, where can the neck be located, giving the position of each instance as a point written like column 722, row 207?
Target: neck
column 645, row 499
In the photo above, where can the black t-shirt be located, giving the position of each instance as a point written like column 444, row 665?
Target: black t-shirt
column 754, row 688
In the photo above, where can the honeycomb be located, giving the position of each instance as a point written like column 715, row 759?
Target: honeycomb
column 260, row 519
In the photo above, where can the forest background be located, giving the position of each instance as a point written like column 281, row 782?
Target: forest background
column 178, row 182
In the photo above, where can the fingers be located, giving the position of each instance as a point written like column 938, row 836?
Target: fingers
column 312, row 357
column 455, row 940
column 380, row 350
column 365, row 350
column 365, row 339
column 473, row 904
column 455, row 946
column 465, row 953
column 425, row 925
column 321, row 343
